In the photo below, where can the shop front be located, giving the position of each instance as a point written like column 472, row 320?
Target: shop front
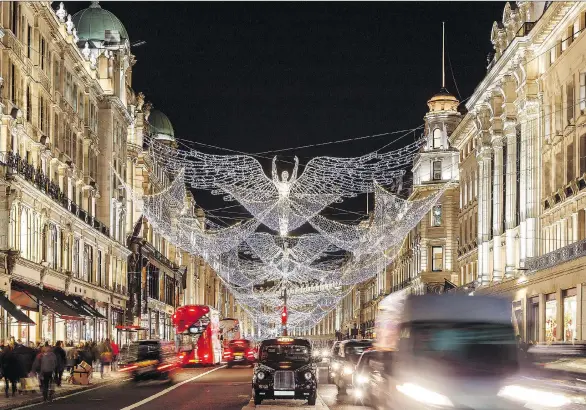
column 547, row 303
column 61, row 317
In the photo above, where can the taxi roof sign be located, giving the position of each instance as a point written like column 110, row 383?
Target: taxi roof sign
column 285, row 339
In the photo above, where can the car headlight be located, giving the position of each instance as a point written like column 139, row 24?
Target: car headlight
column 348, row 370
column 533, row 396
column 423, row 395
column 325, row 353
column 307, row 375
column 335, row 365
column 260, row 375
column 361, row 379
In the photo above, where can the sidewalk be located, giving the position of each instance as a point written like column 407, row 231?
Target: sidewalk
column 65, row 389
column 287, row 405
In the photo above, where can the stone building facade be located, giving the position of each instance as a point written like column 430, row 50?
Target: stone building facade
column 521, row 149
column 70, row 125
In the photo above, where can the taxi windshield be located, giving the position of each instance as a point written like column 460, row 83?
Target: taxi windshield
column 279, row 353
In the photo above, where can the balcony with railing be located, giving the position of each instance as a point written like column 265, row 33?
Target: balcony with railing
column 559, row 256
column 18, row 165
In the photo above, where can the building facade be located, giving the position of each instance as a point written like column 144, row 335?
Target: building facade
column 525, row 129
column 520, row 149
column 77, row 260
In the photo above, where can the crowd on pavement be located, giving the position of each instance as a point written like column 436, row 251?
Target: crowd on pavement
column 46, row 364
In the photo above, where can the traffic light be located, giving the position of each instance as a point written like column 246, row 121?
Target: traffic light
column 284, row 315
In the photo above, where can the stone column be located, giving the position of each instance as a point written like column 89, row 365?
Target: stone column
column 533, row 176
column 497, row 226
column 511, row 196
column 484, row 211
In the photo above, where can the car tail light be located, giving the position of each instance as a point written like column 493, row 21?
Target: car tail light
column 128, row 368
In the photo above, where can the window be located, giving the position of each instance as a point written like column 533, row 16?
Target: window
column 29, row 38
column 29, row 104
column 99, row 269
column 13, row 84
column 88, row 262
column 43, row 53
column 570, row 103
column 437, row 170
column 53, row 243
column 570, row 162
column 57, row 75
column 437, row 138
column 75, row 267
column 68, row 87
column 436, row 216
column 558, row 113
column 437, row 258
column 582, row 154
column 582, row 92
column 576, row 29
column 74, row 101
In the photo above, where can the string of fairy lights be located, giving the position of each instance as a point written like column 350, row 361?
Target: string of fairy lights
column 318, row 269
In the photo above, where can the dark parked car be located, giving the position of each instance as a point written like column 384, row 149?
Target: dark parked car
column 239, row 352
column 349, row 353
column 285, row 369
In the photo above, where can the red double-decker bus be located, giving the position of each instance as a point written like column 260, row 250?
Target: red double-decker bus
column 197, row 334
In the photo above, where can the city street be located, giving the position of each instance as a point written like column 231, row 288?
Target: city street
column 229, row 389
column 208, row 388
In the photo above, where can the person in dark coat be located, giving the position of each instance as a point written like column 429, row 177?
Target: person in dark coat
column 61, row 362
column 26, row 356
column 11, row 369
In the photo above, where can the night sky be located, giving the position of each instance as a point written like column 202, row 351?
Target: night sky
column 256, row 77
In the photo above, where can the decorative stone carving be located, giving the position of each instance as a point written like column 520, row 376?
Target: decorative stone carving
column 69, row 24
column 9, row 258
column 75, row 37
column 86, row 52
column 43, row 275
column 68, row 279
column 61, row 13
column 139, row 101
column 93, row 61
column 147, row 110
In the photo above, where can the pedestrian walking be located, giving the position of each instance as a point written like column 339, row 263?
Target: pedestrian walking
column 45, row 365
column 61, row 362
column 105, row 356
column 115, row 355
column 11, row 369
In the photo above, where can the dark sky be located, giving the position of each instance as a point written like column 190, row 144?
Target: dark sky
column 260, row 76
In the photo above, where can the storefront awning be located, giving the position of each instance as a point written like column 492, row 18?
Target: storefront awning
column 15, row 312
column 51, row 299
column 84, row 307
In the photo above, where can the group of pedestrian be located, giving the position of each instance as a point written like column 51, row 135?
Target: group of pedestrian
column 47, row 363
column 100, row 356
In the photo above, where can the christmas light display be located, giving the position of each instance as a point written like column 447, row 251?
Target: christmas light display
column 317, row 269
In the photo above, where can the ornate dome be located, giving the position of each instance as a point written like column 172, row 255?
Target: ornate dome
column 443, row 101
column 160, row 125
column 92, row 23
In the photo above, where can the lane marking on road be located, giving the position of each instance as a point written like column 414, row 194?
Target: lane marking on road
column 162, row 393
column 70, row 395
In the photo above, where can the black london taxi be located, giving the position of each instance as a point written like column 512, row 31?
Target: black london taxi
column 285, row 369
column 151, row 359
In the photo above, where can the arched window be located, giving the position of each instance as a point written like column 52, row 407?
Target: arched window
column 437, row 138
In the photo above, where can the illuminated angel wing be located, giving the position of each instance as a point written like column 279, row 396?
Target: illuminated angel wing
column 241, row 176
column 346, row 177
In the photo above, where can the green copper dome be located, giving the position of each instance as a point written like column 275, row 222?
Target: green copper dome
column 92, row 23
column 160, row 125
